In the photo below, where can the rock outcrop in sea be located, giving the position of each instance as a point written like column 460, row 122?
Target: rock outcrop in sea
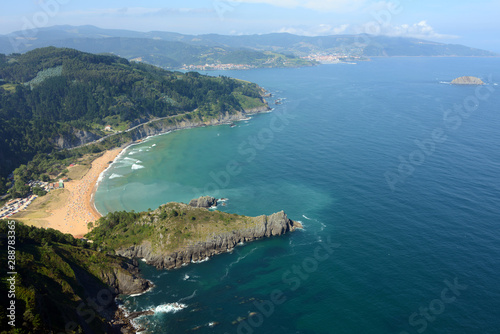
column 216, row 243
column 203, row 202
column 467, row 80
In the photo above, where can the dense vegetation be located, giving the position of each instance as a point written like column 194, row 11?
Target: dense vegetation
column 48, row 93
column 55, row 275
column 173, row 50
column 169, row 227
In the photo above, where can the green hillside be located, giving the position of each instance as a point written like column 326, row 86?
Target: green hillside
column 61, row 283
column 52, row 93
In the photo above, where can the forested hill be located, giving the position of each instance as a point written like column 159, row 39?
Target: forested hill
column 51, row 92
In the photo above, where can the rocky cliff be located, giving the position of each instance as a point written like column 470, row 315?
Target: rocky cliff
column 167, row 125
column 203, row 202
column 126, row 280
column 77, row 138
column 216, row 243
column 467, row 80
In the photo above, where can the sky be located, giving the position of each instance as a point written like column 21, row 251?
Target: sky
column 471, row 23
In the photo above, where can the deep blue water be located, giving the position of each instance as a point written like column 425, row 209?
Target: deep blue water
column 414, row 232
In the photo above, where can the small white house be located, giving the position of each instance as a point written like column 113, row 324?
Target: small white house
column 107, row 128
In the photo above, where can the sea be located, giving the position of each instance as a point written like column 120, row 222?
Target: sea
column 394, row 174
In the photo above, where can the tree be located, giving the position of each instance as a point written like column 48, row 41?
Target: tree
column 39, row 191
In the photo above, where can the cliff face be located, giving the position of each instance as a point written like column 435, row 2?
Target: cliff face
column 203, row 202
column 126, row 280
column 161, row 126
column 78, row 138
column 467, row 80
column 265, row 226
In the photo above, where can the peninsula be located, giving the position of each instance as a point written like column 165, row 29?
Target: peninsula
column 176, row 234
column 65, row 275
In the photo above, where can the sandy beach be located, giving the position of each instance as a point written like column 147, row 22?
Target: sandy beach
column 71, row 209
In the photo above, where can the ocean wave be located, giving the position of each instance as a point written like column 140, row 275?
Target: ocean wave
column 186, row 277
column 169, row 308
column 306, row 217
column 153, row 145
column 200, row 261
column 114, row 176
column 141, row 293
column 136, row 166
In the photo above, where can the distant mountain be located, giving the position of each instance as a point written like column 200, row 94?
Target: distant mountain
column 168, row 50
column 172, row 50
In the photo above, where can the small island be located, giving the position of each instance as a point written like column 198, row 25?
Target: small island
column 467, row 80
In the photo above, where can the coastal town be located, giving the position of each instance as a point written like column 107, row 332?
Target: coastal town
column 217, row 67
column 18, row 204
column 332, row 58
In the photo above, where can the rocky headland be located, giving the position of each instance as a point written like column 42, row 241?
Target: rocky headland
column 467, row 80
column 177, row 234
column 217, row 243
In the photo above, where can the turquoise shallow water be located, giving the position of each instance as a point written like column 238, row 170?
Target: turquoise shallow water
column 377, row 160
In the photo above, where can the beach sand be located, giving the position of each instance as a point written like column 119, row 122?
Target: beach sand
column 69, row 210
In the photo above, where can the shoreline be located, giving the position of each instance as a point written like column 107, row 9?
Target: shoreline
column 80, row 209
column 71, row 208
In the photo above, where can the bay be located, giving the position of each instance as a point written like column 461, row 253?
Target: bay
column 401, row 233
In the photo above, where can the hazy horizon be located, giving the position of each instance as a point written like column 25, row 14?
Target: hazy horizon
column 455, row 22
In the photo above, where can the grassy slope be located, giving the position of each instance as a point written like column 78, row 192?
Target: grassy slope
column 169, row 227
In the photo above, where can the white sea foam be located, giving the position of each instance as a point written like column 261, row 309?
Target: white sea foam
column 138, row 162
column 153, row 145
column 200, row 261
column 169, row 308
column 124, row 310
column 306, row 217
column 136, row 166
column 186, row 277
column 114, row 176
column 188, row 297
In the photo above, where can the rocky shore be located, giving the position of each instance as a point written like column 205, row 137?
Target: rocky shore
column 164, row 126
column 217, row 243
column 155, row 127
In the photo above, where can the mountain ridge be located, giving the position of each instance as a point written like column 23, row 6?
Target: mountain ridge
column 170, row 49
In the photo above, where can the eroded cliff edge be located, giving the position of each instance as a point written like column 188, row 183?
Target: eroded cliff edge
column 217, row 243
column 177, row 234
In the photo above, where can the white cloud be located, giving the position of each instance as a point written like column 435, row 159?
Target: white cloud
column 319, row 5
column 318, row 30
column 420, row 30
